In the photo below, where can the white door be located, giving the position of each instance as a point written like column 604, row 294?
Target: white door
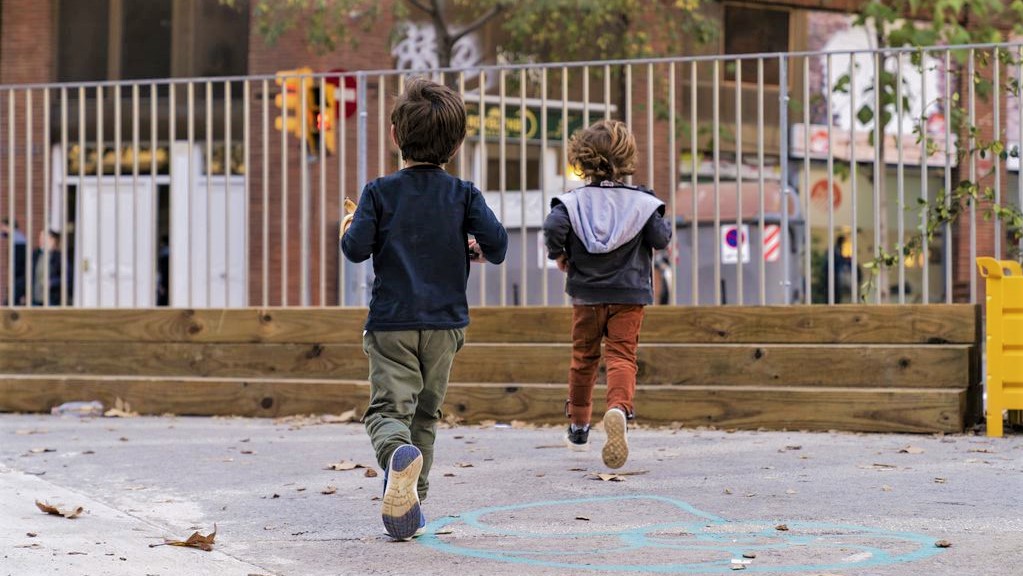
column 207, row 235
column 116, row 259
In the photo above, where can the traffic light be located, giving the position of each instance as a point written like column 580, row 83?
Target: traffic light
column 326, row 124
column 299, row 94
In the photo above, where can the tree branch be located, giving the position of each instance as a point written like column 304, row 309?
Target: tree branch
column 419, row 5
column 494, row 11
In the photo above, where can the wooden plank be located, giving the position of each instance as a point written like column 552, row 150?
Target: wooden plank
column 188, row 396
column 865, row 410
column 876, row 410
column 904, row 366
column 284, row 325
column 844, row 324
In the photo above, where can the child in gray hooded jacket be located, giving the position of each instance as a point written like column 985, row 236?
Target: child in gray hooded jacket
column 603, row 235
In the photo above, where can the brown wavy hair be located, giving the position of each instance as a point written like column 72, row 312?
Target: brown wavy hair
column 429, row 121
column 606, row 150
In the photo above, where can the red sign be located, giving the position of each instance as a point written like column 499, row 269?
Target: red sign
column 819, row 194
column 345, row 95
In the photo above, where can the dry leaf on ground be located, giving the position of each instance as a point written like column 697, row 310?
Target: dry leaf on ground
column 608, row 477
column 911, row 450
column 782, row 528
column 942, row 543
column 463, row 465
column 121, row 409
column 196, row 540
column 345, row 465
column 370, row 473
column 69, row 514
column 329, row 490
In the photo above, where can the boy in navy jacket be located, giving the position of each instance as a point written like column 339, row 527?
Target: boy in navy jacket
column 415, row 225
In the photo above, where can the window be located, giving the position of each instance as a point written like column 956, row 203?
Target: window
column 749, row 30
column 136, row 39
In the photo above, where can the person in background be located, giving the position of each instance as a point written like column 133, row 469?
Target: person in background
column 46, row 279
column 14, row 234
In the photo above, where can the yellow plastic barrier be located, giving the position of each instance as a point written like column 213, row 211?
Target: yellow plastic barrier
column 1004, row 339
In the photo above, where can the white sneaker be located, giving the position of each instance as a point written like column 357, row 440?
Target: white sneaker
column 616, row 447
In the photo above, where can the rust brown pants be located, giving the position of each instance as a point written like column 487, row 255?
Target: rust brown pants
column 617, row 327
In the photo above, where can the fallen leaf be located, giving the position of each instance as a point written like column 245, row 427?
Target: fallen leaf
column 911, row 450
column 727, row 490
column 443, row 531
column 370, row 473
column 69, row 514
column 749, row 555
column 577, row 469
column 940, row 480
column 886, row 488
column 608, row 477
column 121, row 409
column 878, row 466
column 781, row 528
column 449, row 474
column 248, row 452
column 633, row 473
column 329, row 490
column 790, row 491
column 345, row 465
column 41, row 450
column 463, row 464
column 77, row 553
column 196, row 540
column 582, row 518
column 982, row 450
column 942, row 543
column 792, row 447
column 31, row 534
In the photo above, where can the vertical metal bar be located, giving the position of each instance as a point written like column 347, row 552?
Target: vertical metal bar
column 524, row 286
column 880, row 173
column 172, row 201
column 118, row 145
column 586, row 96
column 607, row 92
column 694, row 219
column 303, row 214
column 247, row 159
column 1019, row 137
column 381, row 131
column 461, row 149
column 717, row 179
column 99, row 196
column 924, row 139
column 628, row 106
column 63, row 196
column 502, row 171
column 81, row 181
column 154, row 191
column 973, row 172
column 190, row 211
column 783, row 156
column 46, row 195
column 265, row 231
column 10, row 201
column 673, row 180
column 651, row 180
column 29, row 273
column 828, row 95
column 284, row 198
column 7, row 293
column 542, row 255
column 342, row 178
column 362, row 163
column 854, row 234
column 743, row 241
column 326, row 116
column 947, row 110
column 996, row 104
column 900, row 203
column 761, row 262
column 136, row 267
column 209, row 194
column 483, row 184
column 564, row 145
column 227, row 192
column 807, row 217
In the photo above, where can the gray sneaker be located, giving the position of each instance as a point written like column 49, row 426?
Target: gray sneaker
column 578, row 438
column 616, row 448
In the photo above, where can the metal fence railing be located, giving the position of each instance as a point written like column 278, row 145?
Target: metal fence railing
column 191, row 192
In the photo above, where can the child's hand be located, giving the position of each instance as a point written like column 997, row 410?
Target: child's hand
column 345, row 223
column 562, row 263
column 475, row 254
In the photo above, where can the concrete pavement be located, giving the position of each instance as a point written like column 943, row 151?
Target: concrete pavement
column 504, row 500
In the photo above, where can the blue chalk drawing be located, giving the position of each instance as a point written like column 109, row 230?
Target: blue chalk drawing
column 705, row 535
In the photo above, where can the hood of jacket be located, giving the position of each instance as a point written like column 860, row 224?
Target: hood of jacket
column 607, row 216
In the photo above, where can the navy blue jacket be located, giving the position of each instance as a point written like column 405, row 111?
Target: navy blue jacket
column 415, row 224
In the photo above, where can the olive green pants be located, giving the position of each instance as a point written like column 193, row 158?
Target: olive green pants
column 408, row 376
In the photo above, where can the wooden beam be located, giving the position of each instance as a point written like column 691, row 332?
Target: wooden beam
column 867, row 409
column 839, row 365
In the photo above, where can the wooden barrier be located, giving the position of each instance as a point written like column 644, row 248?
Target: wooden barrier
column 868, row 368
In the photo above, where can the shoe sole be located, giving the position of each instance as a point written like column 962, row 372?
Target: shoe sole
column 616, row 448
column 400, row 508
column 577, row 447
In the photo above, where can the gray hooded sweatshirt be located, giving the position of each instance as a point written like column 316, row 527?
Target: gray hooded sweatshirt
column 608, row 231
